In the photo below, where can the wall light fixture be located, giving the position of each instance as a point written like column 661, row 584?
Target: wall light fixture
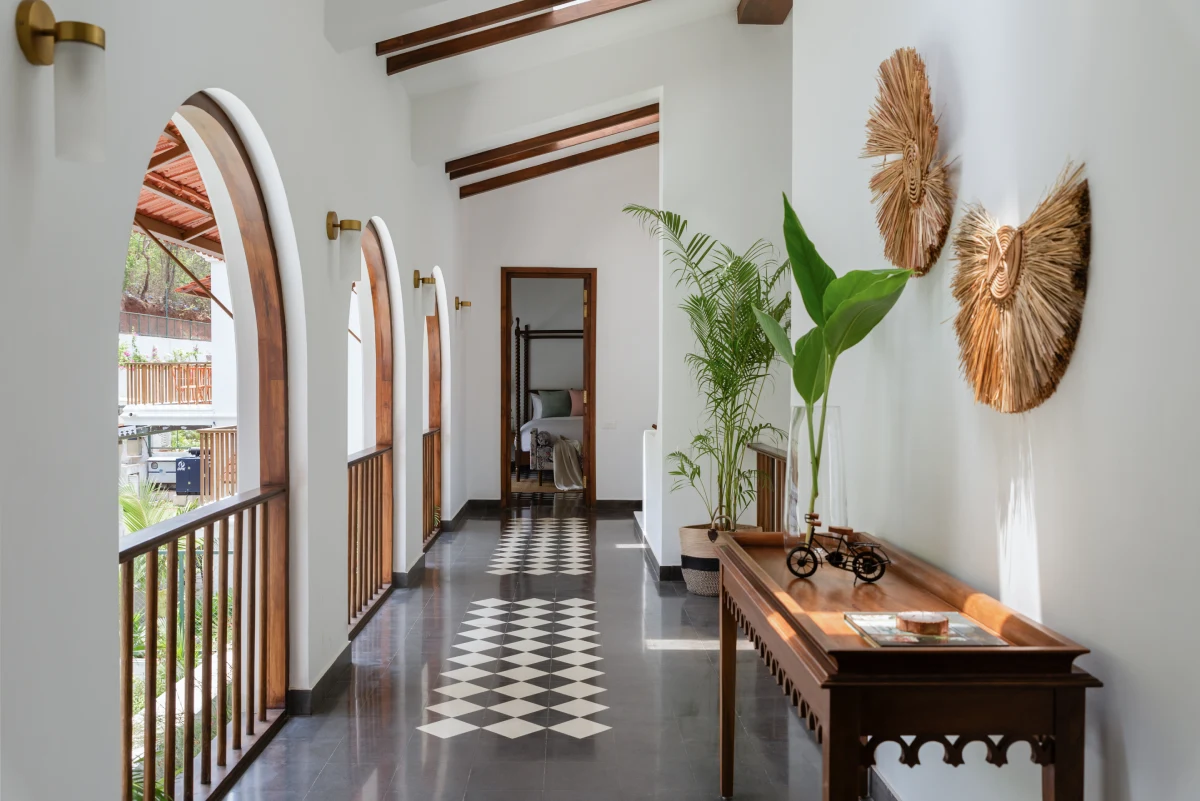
column 349, row 236
column 77, row 51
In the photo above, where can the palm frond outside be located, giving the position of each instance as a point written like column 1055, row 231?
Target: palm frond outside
column 732, row 362
column 144, row 505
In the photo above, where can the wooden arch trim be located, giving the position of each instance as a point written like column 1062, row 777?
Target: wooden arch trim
column 384, row 358
column 381, row 305
column 229, row 152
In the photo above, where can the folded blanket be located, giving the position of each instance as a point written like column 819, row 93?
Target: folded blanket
column 568, row 474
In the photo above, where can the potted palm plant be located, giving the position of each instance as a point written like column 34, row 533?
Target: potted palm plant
column 730, row 368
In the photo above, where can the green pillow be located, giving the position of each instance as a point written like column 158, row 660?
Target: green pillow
column 555, row 403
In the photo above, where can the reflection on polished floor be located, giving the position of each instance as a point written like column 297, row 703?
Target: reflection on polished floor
column 569, row 674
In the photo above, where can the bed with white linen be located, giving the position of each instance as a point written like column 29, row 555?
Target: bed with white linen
column 556, row 427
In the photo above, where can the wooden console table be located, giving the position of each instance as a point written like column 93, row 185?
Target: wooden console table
column 855, row 697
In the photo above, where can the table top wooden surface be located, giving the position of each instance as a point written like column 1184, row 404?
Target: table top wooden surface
column 815, row 609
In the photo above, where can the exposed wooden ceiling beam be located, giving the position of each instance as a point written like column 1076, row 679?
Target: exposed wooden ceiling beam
column 457, row 27
column 168, row 156
column 545, row 21
column 171, row 196
column 201, row 230
column 176, row 139
column 763, row 12
column 551, row 142
column 183, row 190
column 558, row 165
column 171, row 233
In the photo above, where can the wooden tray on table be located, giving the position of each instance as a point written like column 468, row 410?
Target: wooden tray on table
column 856, row 696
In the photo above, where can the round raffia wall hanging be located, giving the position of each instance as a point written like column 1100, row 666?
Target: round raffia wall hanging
column 1020, row 293
column 911, row 188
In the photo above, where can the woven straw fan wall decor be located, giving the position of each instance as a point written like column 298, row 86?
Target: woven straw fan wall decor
column 1021, row 293
column 911, row 192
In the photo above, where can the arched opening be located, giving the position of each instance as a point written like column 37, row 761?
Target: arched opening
column 204, row 594
column 431, row 443
column 370, row 528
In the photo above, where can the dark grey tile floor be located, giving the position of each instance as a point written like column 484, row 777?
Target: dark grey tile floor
column 656, row 736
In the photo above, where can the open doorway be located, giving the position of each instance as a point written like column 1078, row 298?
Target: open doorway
column 548, row 375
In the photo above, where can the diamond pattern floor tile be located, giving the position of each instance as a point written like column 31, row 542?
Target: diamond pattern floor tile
column 580, row 728
column 450, row 727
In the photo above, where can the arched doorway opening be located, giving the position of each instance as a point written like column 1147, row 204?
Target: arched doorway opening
column 436, row 392
column 370, row 527
column 431, row 442
column 204, row 608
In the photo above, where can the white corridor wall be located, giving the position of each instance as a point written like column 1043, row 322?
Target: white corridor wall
column 1090, row 497
column 568, row 219
column 277, row 61
column 725, row 92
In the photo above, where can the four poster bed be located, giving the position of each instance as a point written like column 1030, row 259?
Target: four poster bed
column 536, row 436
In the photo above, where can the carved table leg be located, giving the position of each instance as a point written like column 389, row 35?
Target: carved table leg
column 728, row 708
column 842, row 772
column 1062, row 780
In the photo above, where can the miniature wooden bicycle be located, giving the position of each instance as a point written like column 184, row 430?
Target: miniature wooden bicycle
column 867, row 561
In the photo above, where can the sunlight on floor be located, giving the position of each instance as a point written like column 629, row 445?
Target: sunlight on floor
column 693, row 645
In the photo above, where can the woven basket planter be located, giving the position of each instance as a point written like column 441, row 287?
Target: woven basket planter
column 701, row 570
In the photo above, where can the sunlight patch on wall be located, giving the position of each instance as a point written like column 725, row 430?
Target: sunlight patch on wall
column 1016, row 524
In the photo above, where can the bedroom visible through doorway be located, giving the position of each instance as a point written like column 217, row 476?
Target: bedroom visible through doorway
column 548, row 425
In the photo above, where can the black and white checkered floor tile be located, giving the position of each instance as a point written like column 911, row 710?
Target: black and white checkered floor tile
column 531, row 664
column 542, row 546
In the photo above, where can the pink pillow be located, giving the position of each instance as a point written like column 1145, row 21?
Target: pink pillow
column 576, row 402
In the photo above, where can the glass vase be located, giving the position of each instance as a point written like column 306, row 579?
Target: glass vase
column 831, row 476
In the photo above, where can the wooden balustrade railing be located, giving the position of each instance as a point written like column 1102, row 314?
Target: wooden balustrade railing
column 369, row 530
column 194, row 598
column 168, row 383
column 772, row 485
column 218, row 463
column 431, row 485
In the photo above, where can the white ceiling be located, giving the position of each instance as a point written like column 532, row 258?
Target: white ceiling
column 359, row 23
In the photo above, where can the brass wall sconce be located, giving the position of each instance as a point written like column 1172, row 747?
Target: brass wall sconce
column 418, row 280
column 349, row 232
column 458, row 304
column 77, row 51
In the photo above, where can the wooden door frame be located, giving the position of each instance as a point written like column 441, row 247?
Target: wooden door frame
column 588, row 274
column 220, row 136
column 381, row 306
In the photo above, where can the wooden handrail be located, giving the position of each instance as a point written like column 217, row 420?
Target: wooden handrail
column 210, row 625
column 768, row 450
column 431, row 486
column 362, row 456
column 368, row 532
column 154, row 537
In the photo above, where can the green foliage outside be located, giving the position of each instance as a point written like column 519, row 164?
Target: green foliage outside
column 131, row 353
column 843, row 311
column 182, row 440
column 151, row 278
column 734, row 361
